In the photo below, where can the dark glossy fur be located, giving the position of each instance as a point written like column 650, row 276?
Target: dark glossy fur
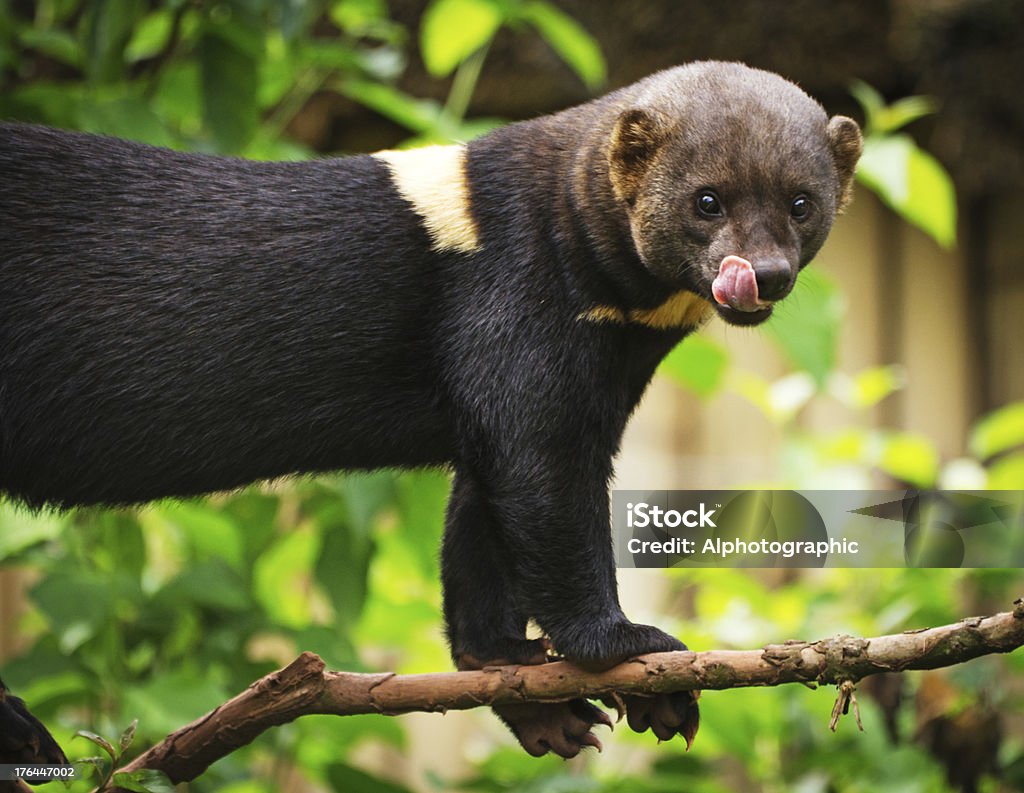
column 23, row 738
column 173, row 324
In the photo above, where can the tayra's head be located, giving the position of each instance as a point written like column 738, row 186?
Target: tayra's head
column 731, row 178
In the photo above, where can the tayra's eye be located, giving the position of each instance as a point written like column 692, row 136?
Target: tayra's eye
column 800, row 208
column 708, row 204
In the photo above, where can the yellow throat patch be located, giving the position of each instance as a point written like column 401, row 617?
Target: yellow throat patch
column 680, row 310
column 433, row 180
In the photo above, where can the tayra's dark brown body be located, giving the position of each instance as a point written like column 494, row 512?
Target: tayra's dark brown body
column 23, row 738
column 173, row 324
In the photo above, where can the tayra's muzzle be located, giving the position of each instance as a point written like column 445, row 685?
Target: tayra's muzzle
column 745, row 294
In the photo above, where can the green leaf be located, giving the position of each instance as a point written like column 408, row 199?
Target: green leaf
column 911, row 182
column 568, row 38
column 332, row 642
column 1007, row 473
column 903, row 111
column 295, row 16
column 450, row 131
column 346, row 779
column 127, row 117
column 128, row 735
column 871, row 386
column 697, row 364
column 230, row 52
column 150, row 37
column 358, row 16
column 79, row 604
column 806, row 325
column 367, row 19
column 842, row 446
column 882, row 119
column 470, row 129
column 780, row 400
column 108, row 27
column 330, row 54
column 418, row 115
column 256, row 512
column 366, row 495
column 283, row 577
column 56, row 104
column 998, row 431
column 210, row 532
column 57, row 44
column 512, row 769
column 870, row 100
column 100, row 741
column 909, row 458
column 178, row 97
column 318, row 742
column 47, row 678
column 452, row 30
column 21, row 529
column 145, row 780
column 178, row 696
column 342, row 568
column 210, row 584
column 98, row 763
column 868, row 387
column 422, row 496
column 248, row 786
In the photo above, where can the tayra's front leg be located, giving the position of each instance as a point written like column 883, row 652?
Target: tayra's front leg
column 555, row 521
column 541, row 412
column 530, row 537
column 485, row 627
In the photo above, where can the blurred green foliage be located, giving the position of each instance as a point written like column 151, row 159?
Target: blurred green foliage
column 901, row 173
column 229, row 75
column 161, row 613
column 144, row 780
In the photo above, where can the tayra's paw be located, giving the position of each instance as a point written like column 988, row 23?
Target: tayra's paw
column 541, row 727
column 560, row 727
column 666, row 715
column 598, row 649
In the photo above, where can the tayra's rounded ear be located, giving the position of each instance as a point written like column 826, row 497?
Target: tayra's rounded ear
column 846, row 144
column 637, row 136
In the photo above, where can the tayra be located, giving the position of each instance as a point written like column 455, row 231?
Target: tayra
column 173, row 324
column 23, row 738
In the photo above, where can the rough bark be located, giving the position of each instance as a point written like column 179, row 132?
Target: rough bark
column 306, row 687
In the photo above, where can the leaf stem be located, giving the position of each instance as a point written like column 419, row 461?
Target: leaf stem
column 463, row 86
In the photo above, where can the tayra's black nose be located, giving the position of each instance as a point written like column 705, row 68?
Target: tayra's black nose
column 773, row 278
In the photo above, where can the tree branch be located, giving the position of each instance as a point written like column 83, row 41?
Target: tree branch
column 305, row 687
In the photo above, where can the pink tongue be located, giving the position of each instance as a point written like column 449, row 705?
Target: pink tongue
column 735, row 285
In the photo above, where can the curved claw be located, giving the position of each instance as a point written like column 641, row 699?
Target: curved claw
column 560, row 727
column 591, row 740
column 666, row 715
